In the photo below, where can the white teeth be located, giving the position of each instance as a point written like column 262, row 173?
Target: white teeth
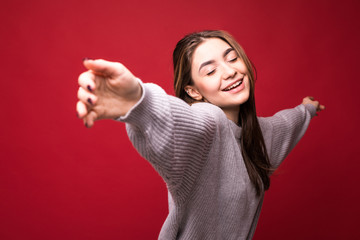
column 233, row 86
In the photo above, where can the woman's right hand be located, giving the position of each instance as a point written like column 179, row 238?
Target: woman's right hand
column 312, row 101
column 107, row 90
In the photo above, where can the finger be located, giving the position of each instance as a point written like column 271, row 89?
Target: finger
column 104, row 67
column 86, row 97
column 90, row 119
column 311, row 98
column 81, row 109
column 320, row 108
column 87, row 81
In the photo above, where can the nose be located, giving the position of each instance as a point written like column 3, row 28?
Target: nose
column 228, row 72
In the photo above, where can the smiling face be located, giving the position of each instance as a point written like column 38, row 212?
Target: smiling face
column 219, row 76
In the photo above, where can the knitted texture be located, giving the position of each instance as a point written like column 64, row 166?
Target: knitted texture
column 196, row 150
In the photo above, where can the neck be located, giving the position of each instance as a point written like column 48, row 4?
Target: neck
column 232, row 113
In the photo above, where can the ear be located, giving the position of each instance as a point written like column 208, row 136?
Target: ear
column 193, row 92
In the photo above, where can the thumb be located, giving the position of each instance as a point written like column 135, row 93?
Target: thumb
column 104, row 67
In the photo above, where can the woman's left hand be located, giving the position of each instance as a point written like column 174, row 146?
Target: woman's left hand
column 310, row 100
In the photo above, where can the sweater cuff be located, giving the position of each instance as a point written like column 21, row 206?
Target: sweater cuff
column 141, row 113
column 311, row 109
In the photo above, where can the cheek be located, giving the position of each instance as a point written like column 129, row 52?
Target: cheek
column 208, row 86
column 247, row 84
column 247, row 88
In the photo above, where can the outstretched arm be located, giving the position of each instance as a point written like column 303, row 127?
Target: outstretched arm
column 107, row 90
column 284, row 130
column 160, row 126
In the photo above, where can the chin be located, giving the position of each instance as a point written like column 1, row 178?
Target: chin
column 243, row 99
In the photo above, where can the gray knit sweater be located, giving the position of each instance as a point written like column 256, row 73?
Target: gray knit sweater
column 196, row 150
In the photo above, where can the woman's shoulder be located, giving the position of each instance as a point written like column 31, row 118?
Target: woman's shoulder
column 159, row 100
column 209, row 109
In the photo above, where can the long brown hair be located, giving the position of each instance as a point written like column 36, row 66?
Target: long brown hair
column 252, row 141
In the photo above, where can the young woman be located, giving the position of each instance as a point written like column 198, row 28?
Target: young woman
column 213, row 152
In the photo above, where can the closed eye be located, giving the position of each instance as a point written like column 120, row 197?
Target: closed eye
column 210, row 73
column 233, row 59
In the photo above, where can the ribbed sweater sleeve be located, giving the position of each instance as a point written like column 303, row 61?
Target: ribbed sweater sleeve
column 284, row 130
column 173, row 136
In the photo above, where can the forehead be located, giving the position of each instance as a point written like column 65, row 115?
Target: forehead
column 209, row 49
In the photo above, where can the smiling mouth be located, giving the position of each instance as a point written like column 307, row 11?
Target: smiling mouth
column 236, row 84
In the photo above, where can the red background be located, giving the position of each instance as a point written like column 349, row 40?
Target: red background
column 59, row 180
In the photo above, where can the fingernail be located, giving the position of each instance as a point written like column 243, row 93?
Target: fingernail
column 90, row 101
column 86, row 58
column 89, row 88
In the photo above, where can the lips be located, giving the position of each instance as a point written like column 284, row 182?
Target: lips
column 233, row 85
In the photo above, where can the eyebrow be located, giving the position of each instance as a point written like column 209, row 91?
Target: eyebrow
column 227, row 51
